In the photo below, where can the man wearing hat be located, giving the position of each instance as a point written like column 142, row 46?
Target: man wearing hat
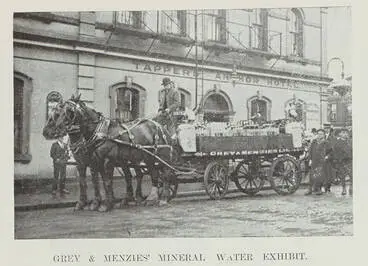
column 169, row 102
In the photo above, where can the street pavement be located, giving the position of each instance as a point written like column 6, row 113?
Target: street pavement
column 238, row 215
column 42, row 198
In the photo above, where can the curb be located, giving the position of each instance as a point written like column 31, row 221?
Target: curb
column 69, row 204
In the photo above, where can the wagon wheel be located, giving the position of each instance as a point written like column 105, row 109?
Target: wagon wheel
column 216, row 180
column 173, row 187
column 248, row 177
column 284, row 175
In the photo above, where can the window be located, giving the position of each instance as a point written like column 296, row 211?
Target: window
column 296, row 31
column 22, row 110
column 127, row 105
column 53, row 98
column 18, row 115
column 261, row 105
column 185, row 99
column 217, row 106
column 332, row 116
column 127, row 102
column 216, row 25
column 260, row 29
column 174, row 21
column 132, row 18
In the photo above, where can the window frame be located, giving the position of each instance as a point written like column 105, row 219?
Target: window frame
column 219, row 33
column 181, row 22
column 188, row 98
column 260, row 29
column 297, row 32
column 262, row 98
column 24, row 156
column 137, row 19
column 227, row 116
column 114, row 93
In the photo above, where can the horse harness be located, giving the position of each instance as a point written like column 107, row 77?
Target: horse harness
column 100, row 136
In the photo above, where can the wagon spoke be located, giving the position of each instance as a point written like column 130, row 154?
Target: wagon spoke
column 213, row 186
column 245, row 180
column 219, row 190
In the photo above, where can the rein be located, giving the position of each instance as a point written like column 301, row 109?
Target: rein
column 145, row 149
column 97, row 136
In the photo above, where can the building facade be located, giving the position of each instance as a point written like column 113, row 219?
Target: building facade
column 229, row 64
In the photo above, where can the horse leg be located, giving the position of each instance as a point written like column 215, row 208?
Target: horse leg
column 107, row 172
column 153, row 198
column 138, row 192
column 82, row 203
column 166, row 191
column 129, row 187
column 97, row 200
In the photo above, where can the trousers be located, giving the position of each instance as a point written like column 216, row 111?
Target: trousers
column 59, row 171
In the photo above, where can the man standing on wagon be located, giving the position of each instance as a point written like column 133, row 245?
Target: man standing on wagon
column 169, row 102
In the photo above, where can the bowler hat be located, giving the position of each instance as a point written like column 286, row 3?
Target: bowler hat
column 321, row 130
column 166, row 81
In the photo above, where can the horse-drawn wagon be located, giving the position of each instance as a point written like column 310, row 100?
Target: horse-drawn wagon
column 212, row 153
column 246, row 155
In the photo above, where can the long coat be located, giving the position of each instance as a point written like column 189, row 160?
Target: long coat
column 169, row 99
column 317, row 156
column 343, row 156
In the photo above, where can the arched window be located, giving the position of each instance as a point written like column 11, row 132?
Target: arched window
column 22, row 110
column 261, row 105
column 296, row 31
column 127, row 101
column 217, row 106
column 259, row 36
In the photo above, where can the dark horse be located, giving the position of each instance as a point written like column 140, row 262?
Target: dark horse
column 109, row 144
column 81, row 155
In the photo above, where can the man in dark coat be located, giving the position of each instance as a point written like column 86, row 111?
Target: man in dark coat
column 329, row 170
column 59, row 155
column 317, row 155
column 343, row 158
column 169, row 102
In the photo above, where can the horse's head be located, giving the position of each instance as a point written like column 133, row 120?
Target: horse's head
column 63, row 117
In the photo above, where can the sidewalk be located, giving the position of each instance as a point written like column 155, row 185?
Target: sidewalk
column 42, row 198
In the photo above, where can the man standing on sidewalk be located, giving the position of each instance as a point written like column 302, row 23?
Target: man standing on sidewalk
column 59, row 155
column 317, row 155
